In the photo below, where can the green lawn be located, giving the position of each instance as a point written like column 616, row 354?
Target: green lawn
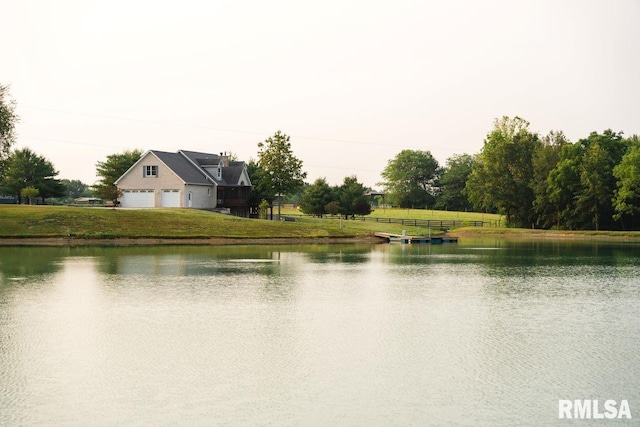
column 86, row 222
column 65, row 221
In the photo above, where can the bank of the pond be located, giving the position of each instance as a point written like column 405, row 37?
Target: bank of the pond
column 525, row 233
column 214, row 241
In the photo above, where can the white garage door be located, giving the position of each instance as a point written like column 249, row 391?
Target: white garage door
column 138, row 199
column 170, row 198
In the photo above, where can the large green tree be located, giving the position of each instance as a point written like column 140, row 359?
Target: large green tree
column 503, row 173
column 595, row 174
column 280, row 170
column 410, row 179
column 8, row 119
column 582, row 184
column 453, row 195
column 545, row 159
column 594, row 202
column 316, row 197
column 352, row 199
column 24, row 168
column 77, row 188
column 626, row 199
column 563, row 183
column 111, row 169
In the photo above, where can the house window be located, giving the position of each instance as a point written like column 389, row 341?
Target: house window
column 150, row 171
column 219, row 172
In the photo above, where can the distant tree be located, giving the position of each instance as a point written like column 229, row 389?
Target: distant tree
column 627, row 195
column 453, row 182
column 259, row 192
column 77, row 188
column 332, row 208
column 52, row 188
column 8, row 120
column 30, row 193
column 410, row 178
column 563, row 183
column 263, row 209
column 351, row 198
column 362, row 206
column 316, row 197
column 502, row 175
column 582, row 185
column 110, row 170
column 545, row 159
column 596, row 194
column 594, row 201
column 24, row 168
column 281, row 171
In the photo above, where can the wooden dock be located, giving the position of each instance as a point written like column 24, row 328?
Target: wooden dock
column 406, row 239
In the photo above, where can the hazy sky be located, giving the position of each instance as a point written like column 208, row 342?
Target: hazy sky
column 352, row 82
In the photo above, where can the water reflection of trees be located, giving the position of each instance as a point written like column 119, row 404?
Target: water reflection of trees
column 560, row 268
column 26, row 262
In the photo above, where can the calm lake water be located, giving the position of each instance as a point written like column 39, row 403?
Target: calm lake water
column 480, row 333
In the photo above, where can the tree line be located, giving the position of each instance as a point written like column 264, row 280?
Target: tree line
column 540, row 181
column 550, row 182
column 535, row 181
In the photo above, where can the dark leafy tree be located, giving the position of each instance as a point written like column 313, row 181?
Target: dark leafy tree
column 259, row 192
column 454, row 178
column 24, row 168
column 595, row 176
column 316, row 197
column 110, row 170
column 362, row 206
column 563, row 183
column 626, row 199
column 503, row 174
column 545, row 159
column 8, row 119
column 594, row 203
column 332, row 208
column 77, row 188
column 52, row 188
column 352, row 199
column 582, row 184
column 30, row 193
column 410, row 179
column 281, row 171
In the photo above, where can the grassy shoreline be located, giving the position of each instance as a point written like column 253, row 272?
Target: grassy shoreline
column 65, row 225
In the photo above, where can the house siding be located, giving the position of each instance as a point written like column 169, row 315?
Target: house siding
column 200, row 198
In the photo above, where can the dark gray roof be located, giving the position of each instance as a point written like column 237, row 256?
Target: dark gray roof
column 231, row 174
column 196, row 156
column 188, row 172
column 188, row 165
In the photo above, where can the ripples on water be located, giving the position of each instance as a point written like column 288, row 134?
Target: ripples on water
column 328, row 335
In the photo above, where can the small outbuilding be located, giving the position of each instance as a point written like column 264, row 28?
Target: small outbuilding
column 89, row 201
